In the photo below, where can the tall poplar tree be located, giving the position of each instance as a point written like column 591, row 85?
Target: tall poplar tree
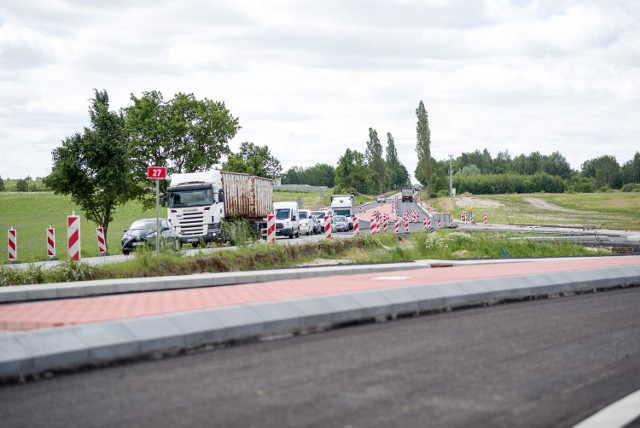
column 375, row 161
column 423, row 146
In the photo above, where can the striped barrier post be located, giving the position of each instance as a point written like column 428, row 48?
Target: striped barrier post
column 484, row 220
column 13, row 245
column 406, row 225
column 472, row 220
column 461, row 217
column 356, row 227
column 429, row 224
column 397, row 225
column 102, row 245
column 327, row 227
column 73, row 237
column 51, row 243
column 271, row 229
column 439, row 227
column 384, row 225
column 424, row 224
column 360, row 206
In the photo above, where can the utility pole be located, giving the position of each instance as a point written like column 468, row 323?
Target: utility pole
column 450, row 175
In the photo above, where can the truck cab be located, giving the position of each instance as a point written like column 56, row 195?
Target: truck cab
column 407, row 194
column 343, row 205
column 287, row 219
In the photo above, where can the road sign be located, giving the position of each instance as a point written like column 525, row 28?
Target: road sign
column 157, row 172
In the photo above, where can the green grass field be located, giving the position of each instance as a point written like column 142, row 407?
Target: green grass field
column 614, row 210
column 32, row 213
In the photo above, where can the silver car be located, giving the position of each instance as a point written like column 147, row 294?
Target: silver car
column 339, row 223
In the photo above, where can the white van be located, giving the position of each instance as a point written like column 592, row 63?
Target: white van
column 287, row 219
column 306, row 222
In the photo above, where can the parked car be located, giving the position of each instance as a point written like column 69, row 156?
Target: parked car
column 319, row 215
column 339, row 223
column 143, row 232
column 306, row 222
column 381, row 199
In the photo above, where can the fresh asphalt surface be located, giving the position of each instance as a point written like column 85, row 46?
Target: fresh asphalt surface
column 551, row 362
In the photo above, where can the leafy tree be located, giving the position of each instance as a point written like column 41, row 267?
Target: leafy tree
column 352, row 174
column 502, row 163
column 556, row 164
column 321, row 174
column 93, row 167
column 423, row 146
column 2, row 189
column 293, row 175
column 375, row 161
column 184, row 134
column 22, row 185
column 470, row 170
column 481, row 160
column 605, row 169
column 631, row 170
column 397, row 175
column 254, row 160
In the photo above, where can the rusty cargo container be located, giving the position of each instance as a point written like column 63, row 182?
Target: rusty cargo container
column 247, row 196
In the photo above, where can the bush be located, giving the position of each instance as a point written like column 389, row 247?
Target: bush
column 631, row 187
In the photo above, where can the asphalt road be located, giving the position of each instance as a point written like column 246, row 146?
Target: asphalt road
column 532, row 364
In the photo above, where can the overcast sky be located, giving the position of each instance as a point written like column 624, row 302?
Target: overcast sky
column 309, row 78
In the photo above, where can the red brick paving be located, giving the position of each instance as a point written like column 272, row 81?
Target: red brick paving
column 26, row 316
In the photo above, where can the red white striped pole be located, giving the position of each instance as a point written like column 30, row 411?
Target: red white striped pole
column 51, row 243
column 485, row 218
column 73, row 237
column 397, row 225
column 424, row 224
column 472, row 220
column 462, row 217
column 384, row 225
column 327, row 227
column 271, row 229
column 356, row 226
column 102, row 244
column 406, row 225
column 438, row 222
column 429, row 223
column 13, row 245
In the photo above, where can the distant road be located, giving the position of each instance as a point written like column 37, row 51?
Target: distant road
column 545, row 363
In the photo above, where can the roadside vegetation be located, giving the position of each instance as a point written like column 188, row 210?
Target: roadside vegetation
column 384, row 248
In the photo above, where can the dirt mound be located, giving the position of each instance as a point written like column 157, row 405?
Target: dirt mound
column 466, row 202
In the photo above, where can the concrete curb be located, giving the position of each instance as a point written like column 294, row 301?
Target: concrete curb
column 69, row 347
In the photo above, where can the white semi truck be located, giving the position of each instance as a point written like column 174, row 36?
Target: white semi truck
column 199, row 202
column 343, row 205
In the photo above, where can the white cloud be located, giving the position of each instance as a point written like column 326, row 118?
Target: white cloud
column 309, row 78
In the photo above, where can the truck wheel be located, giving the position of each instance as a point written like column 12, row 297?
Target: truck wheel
column 195, row 244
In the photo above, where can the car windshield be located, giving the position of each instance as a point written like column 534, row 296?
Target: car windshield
column 303, row 215
column 340, row 218
column 319, row 214
column 191, row 198
column 144, row 224
column 282, row 213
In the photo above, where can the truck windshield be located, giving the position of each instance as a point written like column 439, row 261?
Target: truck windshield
column 191, row 198
column 345, row 213
column 282, row 213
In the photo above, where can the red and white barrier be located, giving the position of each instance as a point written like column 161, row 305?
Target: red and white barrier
column 429, row 223
column 271, row 229
column 13, row 245
column 484, row 220
column 385, row 223
column 462, row 217
column 406, row 225
column 356, row 227
column 102, row 244
column 472, row 220
column 397, row 225
column 424, row 224
column 73, row 237
column 327, row 227
column 51, row 243
column 439, row 222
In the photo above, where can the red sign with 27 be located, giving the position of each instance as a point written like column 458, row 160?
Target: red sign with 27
column 157, row 172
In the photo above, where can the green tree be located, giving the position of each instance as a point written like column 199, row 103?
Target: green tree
column 254, row 160
column 352, row 174
column 22, row 185
column 631, row 170
column 397, row 175
column 423, row 146
column 183, row 134
column 605, row 169
column 375, row 161
column 2, row 189
column 93, row 167
column 556, row 164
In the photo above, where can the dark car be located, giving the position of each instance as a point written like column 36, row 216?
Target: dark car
column 143, row 232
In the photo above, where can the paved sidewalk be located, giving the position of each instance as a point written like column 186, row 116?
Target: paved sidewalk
column 36, row 315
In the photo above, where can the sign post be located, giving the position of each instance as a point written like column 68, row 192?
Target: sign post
column 157, row 173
